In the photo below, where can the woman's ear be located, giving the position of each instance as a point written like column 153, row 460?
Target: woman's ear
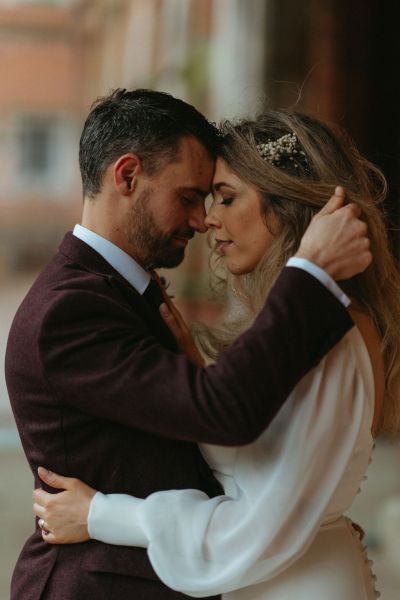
column 126, row 170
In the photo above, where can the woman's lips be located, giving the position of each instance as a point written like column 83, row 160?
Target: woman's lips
column 223, row 245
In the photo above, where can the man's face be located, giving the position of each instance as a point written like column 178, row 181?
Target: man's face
column 169, row 207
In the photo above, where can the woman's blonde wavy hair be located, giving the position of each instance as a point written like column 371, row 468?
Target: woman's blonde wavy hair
column 295, row 195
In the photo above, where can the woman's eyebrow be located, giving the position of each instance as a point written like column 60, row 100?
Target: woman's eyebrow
column 220, row 184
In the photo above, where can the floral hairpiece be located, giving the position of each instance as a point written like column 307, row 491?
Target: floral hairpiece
column 284, row 149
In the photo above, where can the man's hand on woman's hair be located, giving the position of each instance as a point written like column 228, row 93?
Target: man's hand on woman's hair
column 336, row 239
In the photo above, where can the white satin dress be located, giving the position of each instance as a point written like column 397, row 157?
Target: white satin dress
column 279, row 532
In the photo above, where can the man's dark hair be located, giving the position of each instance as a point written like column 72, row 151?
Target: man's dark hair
column 145, row 122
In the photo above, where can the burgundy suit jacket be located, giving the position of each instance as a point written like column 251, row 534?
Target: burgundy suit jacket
column 100, row 392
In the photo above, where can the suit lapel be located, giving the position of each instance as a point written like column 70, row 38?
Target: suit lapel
column 81, row 253
column 148, row 311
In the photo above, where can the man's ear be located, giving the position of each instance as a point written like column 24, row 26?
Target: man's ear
column 126, row 170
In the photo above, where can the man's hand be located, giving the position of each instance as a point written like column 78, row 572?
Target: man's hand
column 336, row 240
column 181, row 332
column 63, row 516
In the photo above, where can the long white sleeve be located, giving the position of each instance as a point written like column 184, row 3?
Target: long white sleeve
column 278, row 491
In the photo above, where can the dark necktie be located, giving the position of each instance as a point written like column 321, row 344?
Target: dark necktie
column 153, row 294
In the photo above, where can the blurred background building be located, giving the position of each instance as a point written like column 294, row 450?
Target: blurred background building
column 335, row 58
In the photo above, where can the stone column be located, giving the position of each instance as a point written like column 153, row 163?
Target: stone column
column 238, row 58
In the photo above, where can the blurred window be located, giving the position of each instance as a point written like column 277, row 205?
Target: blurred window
column 42, row 156
column 36, row 138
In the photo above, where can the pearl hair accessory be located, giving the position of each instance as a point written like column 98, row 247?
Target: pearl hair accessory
column 284, row 149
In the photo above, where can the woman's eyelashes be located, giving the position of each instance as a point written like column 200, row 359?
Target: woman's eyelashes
column 226, row 200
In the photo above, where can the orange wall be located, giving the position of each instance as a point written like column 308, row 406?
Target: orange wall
column 38, row 75
column 40, row 59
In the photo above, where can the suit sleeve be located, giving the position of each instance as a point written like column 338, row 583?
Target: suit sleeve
column 100, row 358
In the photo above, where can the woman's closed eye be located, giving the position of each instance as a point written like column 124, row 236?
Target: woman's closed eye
column 226, row 200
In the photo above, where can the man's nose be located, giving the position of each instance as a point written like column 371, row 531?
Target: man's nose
column 197, row 219
column 212, row 221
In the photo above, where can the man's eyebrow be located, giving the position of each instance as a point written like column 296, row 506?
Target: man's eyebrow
column 199, row 192
column 221, row 184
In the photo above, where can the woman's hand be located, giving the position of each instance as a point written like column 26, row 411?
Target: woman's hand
column 63, row 516
column 179, row 329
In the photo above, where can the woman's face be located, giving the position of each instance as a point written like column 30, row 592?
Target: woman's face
column 241, row 232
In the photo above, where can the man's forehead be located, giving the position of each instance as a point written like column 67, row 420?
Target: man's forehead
column 190, row 147
column 193, row 172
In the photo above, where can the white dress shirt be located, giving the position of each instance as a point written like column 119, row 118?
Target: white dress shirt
column 117, row 258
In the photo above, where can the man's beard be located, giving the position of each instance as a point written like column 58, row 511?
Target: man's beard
column 156, row 248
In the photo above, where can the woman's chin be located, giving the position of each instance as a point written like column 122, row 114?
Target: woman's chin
column 242, row 265
column 235, row 268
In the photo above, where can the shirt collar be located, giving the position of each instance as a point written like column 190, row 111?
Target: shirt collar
column 117, row 258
